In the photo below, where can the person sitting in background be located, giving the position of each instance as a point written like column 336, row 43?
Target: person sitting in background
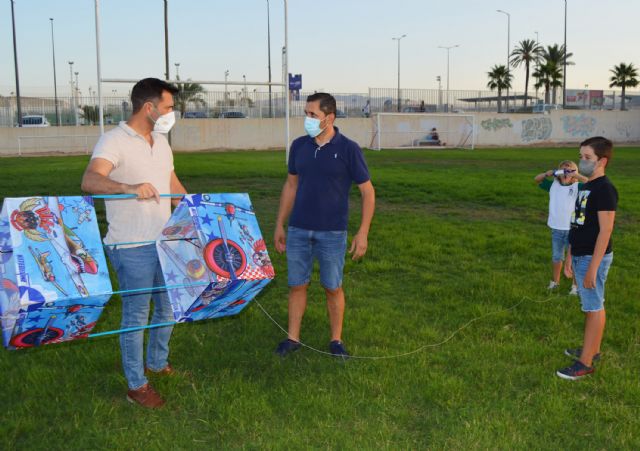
column 433, row 136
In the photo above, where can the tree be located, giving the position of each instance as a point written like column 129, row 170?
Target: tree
column 499, row 78
column 548, row 76
column 624, row 75
column 528, row 51
column 189, row 93
column 554, row 58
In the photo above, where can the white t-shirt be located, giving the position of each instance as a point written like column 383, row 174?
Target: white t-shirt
column 135, row 161
column 562, row 201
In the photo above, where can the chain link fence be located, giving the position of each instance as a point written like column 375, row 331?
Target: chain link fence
column 83, row 110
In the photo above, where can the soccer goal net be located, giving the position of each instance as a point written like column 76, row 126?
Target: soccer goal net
column 416, row 130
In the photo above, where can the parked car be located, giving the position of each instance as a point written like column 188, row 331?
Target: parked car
column 232, row 115
column 35, row 120
column 545, row 108
column 194, row 115
column 340, row 114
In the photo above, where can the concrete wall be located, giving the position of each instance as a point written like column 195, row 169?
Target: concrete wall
column 558, row 127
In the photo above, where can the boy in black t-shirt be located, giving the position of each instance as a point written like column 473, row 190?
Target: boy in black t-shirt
column 590, row 252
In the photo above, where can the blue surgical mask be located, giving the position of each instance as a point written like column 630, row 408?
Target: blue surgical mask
column 312, row 126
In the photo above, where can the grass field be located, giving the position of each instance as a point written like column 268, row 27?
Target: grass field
column 457, row 235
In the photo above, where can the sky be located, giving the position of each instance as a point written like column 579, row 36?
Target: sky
column 339, row 46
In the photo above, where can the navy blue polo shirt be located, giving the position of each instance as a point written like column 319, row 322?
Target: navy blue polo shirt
column 325, row 175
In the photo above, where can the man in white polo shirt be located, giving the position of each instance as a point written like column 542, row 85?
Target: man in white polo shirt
column 135, row 158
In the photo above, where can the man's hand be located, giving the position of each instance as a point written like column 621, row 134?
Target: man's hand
column 144, row 191
column 358, row 246
column 589, row 281
column 280, row 239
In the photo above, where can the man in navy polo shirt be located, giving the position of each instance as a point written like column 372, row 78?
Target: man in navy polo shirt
column 322, row 167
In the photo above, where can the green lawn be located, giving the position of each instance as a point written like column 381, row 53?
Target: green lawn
column 457, row 235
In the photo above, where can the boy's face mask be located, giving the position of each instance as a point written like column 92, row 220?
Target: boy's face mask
column 587, row 167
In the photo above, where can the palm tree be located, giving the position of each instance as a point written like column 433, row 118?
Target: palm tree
column 554, row 56
column 499, row 78
column 189, row 93
column 528, row 51
column 623, row 75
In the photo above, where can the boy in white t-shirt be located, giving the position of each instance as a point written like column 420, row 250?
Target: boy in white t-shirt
column 563, row 185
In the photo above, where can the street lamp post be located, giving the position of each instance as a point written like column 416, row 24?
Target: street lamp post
column 584, row 97
column 508, row 52
column 269, row 57
column 439, row 80
column 448, row 49
column 399, row 39
column 15, row 62
column 226, row 92
column 564, row 71
column 77, row 99
column 73, row 93
column 166, row 40
column 55, row 84
column 246, row 96
column 537, row 61
column 177, row 70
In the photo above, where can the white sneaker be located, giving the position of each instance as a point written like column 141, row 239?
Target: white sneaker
column 553, row 285
column 574, row 291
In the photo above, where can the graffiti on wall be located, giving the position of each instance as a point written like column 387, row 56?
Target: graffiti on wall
column 624, row 129
column 494, row 124
column 536, row 129
column 579, row 125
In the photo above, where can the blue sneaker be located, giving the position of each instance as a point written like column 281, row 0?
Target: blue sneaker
column 287, row 347
column 576, row 371
column 575, row 354
column 337, row 349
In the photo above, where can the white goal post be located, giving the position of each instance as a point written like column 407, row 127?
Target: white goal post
column 414, row 131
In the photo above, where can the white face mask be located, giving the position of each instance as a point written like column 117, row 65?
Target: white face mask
column 164, row 123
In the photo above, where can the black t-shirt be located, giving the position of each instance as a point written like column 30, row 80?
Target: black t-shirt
column 596, row 195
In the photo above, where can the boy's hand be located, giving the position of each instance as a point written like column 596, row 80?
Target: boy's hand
column 568, row 270
column 589, row 281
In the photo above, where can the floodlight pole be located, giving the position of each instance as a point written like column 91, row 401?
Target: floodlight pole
column 269, row 58
column 100, row 107
column 287, row 111
column 55, row 84
column 508, row 53
column 448, row 49
column 537, row 65
column 15, row 62
column 399, row 99
column 166, row 40
column 564, row 74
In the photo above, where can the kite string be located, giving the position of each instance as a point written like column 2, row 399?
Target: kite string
column 421, row 348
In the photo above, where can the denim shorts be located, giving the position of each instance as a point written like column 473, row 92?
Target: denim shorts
column 559, row 244
column 592, row 299
column 328, row 247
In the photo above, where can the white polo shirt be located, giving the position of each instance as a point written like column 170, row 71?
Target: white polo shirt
column 135, row 161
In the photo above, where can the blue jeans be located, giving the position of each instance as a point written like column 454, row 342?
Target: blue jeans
column 328, row 247
column 139, row 267
column 592, row 299
column 559, row 244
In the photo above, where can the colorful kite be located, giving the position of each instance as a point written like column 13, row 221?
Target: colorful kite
column 55, row 281
column 212, row 248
